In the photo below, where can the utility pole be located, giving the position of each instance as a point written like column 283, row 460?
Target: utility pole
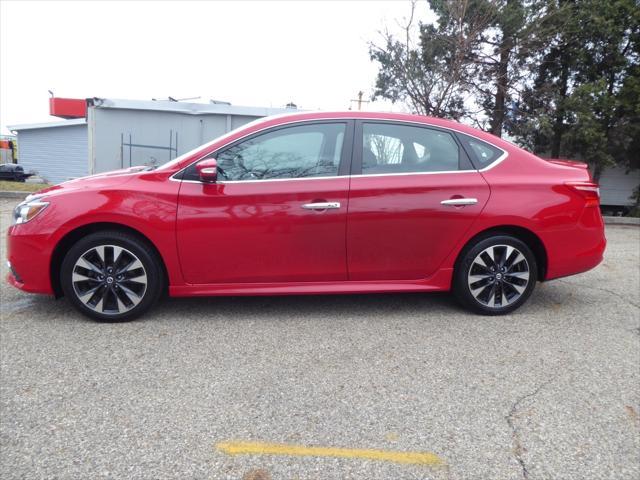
column 359, row 100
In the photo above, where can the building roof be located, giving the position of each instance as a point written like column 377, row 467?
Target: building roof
column 161, row 106
column 185, row 107
column 62, row 123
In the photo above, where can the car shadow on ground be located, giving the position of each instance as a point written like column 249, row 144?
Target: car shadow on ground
column 353, row 306
column 246, row 307
column 313, row 305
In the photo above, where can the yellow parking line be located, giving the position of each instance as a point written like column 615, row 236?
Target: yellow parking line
column 260, row 448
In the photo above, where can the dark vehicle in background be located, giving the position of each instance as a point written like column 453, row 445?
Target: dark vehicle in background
column 13, row 172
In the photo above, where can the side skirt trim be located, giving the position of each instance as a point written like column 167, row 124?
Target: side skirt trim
column 438, row 282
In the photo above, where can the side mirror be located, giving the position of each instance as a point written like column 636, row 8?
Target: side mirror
column 208, row 170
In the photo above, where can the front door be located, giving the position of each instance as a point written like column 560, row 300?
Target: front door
column 413, row 196
column 277, row 212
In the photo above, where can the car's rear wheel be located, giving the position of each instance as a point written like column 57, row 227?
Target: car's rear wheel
column 495, row 275
column 111, row 276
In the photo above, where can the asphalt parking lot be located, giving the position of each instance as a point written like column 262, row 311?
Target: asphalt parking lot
column 549, row 392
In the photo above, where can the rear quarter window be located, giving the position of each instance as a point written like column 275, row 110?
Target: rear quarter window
column 482, row 153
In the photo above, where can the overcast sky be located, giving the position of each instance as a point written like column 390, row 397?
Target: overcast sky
column 264, row 53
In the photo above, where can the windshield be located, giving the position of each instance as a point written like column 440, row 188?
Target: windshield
column 179, row 159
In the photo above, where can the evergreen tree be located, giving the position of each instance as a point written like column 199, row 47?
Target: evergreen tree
column 562, row 77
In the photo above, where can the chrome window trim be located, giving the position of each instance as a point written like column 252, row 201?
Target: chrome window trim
column 224, row 182
column 361, row 175
column 497, row 161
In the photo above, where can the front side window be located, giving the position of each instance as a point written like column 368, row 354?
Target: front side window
column 388, row 148
column 292, row 152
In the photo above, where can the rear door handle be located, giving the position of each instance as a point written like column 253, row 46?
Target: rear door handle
column 458, row 202
column 321, row 206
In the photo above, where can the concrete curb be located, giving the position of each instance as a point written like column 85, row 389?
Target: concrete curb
column 7, row 194
column 622, row 220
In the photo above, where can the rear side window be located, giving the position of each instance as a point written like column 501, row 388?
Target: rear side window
column 388, row 148
column 483, row 153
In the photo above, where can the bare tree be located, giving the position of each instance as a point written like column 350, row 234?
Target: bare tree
column 432, row 77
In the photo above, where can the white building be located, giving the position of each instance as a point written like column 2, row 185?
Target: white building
column 121, row 133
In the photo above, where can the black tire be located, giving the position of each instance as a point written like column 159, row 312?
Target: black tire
column 126, row 296
column 474, row 282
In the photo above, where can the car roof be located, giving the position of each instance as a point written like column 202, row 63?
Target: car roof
column 393, row 116
column 297, row 116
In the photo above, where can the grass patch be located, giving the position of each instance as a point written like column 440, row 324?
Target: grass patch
column 21, row 186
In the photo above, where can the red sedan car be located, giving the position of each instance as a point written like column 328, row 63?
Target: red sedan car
column 314, row 203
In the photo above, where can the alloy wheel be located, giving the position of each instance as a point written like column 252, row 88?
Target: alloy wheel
column 109, row 279
column 498, row 276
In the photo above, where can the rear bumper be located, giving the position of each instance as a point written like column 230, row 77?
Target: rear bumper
column 578, row 249
column 582, row 262
column 29, row 256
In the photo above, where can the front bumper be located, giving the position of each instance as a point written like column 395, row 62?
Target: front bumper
column 29, row 256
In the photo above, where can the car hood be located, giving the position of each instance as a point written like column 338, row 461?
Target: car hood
column 98, row 181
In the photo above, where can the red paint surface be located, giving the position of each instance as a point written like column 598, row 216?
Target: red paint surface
column 68, row 107
column 391, row 234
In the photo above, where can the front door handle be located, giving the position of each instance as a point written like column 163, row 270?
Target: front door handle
column 459, row 202
column 321, row 206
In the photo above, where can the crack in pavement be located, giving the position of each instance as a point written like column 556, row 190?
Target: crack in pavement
column 622, row 297
column 515, row 433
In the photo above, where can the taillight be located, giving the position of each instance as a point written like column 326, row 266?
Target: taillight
column 588, row 190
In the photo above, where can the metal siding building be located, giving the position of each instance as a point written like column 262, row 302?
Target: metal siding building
column 616, row 186
column 122, row 133
column 58, row 152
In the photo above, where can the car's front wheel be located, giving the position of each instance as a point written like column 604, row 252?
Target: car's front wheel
column 111, row 276
column 495, row 275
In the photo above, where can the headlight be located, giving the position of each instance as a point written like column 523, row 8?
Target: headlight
column 28, row 210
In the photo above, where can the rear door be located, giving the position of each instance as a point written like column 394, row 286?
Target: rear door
column 277, row 212
column 414, row 193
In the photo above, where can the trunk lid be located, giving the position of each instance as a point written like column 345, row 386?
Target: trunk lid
column 569, row 163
